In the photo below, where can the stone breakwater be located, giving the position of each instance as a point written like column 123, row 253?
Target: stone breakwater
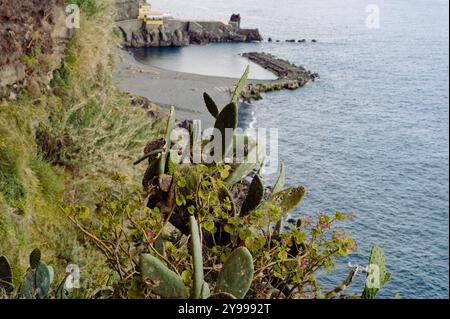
column 178, row 33
column 290, row 76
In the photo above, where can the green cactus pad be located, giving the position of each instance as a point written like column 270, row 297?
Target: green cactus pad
column 206, row 292
column 254, row 196
column 240, row 85
column 376, row 261
column 161, row 280
column 211, row 105
column 287, row 199
column 227, row 119
column 236, row 276
column 279, row 184
column 35, row 258
column 44, row 278
column 6, row 276
column 197, row 258
column 222, row 295
column 28, row 286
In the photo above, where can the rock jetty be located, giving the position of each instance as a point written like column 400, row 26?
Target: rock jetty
column 290, row 76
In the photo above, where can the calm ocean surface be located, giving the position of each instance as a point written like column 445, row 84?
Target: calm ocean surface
column 371, row 136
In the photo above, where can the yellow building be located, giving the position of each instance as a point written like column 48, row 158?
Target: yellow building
column 150, row 17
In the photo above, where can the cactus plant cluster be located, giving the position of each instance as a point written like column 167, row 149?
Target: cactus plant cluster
column 38, row 279
column 37, row 282
column 233, row 282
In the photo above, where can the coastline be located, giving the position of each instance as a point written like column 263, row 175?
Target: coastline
column 167, row 88
column 185, row 91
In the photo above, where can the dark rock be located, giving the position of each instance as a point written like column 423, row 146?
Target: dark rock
column 180, row 33
column 313, row 40
column 270, row 40
column 290, row 76
column 24, row 25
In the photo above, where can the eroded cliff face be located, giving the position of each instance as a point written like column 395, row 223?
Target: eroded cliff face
column 33, row 37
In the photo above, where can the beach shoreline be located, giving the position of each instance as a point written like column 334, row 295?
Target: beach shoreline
column 185, row 91
column 167, row 88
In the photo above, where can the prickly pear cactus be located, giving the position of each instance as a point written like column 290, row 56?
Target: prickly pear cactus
column 197, row 257
column 254, row 196
column 6, row 276
column 287, row 199
column 205, row 291
column 43, row 278
column 211, row 105
column 279, row 184
column 227, row 119
column 35, row 258
column 240, row 85
column 161, row 280
column 236, row 276
column 27, row 288
column 377, row 275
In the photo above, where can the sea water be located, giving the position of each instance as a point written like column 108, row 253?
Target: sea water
column 371, row 136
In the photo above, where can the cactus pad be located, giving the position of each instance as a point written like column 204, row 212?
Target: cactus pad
column 6, row 276
column 211, row 105
column 254, row 196
column 287, row 199
column 161, row 280
column 44, row 278
column 197, row 258
column 240, row 85
column 35, row 258
column 236, row 276
column 377, row 276
column 227, row 119
column 279, row 184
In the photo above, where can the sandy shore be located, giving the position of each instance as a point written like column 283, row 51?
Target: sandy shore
column 165, row 87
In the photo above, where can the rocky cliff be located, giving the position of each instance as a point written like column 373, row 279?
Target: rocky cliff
column 33, row 36
column 176, row 32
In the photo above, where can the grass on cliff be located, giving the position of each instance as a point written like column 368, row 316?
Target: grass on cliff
column 57, row 148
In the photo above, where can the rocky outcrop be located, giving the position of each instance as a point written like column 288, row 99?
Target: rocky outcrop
column 33, row 37
column 180, row 33
column 290, row 76
column 127, row 9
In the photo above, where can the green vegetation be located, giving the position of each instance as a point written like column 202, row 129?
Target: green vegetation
column 68, row 186
column 58, row 145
